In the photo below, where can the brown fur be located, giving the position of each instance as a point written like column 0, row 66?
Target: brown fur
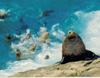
column 73, row 49
column 73, row 44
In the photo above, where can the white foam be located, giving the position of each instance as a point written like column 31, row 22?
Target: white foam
column 53, row 51
column 57, row 32
column 92, row 31
column 19, row 66
column 54, row 54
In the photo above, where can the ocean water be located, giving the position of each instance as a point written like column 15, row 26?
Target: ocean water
column 81, row 16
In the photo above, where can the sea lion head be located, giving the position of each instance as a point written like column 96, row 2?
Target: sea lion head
column 4, row 13
column 9, row 37
column 18, row 54
column 73, row 44
column 72, row 36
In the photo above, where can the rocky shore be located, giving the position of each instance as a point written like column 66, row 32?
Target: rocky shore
column 73, row 50
column 90, row 68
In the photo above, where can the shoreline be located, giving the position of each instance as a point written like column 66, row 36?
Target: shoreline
column 89, row 68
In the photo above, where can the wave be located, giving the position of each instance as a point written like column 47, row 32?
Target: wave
column 38, row 58
column 91, row 33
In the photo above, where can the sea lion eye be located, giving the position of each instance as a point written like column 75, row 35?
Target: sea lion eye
column 69, row 32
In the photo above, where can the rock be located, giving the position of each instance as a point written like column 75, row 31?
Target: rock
column 71, row 69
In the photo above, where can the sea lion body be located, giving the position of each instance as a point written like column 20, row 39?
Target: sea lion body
column 44, row 37
column 73, row 49
column 18, row 54
column 4, row 14
column 9, row 37
column 73, row 45
column 32, row 47
column 45, row 13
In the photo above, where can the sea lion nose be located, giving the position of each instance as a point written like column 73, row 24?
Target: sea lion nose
column 71, row 33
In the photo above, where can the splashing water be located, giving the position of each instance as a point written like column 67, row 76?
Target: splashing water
column 91, row 32
column 23, row 14
column 52, row 54
column 47, row 55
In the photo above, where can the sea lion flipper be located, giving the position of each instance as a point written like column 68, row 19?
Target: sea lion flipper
column 90, row 55
column 62, row 60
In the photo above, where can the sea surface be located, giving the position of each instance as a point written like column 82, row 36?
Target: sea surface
column 81, row 16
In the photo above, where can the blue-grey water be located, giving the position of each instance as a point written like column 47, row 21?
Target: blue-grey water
column 29, row 10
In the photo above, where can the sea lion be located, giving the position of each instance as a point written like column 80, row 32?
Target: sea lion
column 44, row 35
column 9, row 37
column 18, row 54
column 32, row 47
column 47, row 57
column 45, row 13
column 3, row 14
column 73, row 49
